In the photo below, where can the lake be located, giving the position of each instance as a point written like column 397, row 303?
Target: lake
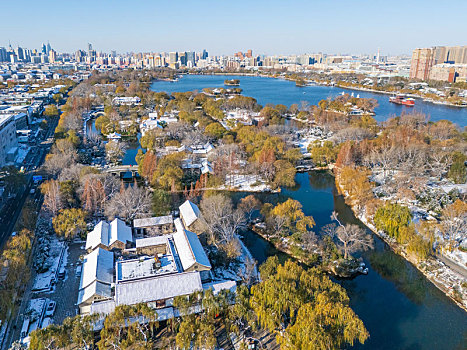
column 279, row 91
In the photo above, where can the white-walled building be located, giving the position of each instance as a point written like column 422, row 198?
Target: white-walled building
column 107, row 236
column 8, row 139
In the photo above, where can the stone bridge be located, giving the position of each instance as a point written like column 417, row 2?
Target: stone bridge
column 119, row 169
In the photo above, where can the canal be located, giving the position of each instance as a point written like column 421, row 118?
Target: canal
column 399, row 306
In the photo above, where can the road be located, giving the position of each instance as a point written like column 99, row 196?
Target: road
column 12, row 209
column 453, row 265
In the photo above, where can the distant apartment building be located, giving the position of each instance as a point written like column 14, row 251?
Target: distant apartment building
column 425, row 59
column 422, row 61
column 8, row 140
column 449, row 72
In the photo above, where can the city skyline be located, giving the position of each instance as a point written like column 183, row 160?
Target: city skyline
column 226, row 28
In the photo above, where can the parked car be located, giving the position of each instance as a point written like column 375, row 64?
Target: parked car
column 50, row 308
column 24, row 328
column 62, row 273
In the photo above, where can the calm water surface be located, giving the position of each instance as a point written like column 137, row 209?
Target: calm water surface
column 278, row 91
column 399, row 306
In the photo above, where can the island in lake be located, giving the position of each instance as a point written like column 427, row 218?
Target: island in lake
column 232, row 82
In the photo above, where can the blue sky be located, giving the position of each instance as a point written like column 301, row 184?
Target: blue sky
column 227, row 26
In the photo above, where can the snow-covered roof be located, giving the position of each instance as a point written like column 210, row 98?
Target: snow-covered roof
column 144, row 267
column 221, row 285
column 189, row 248
column 114, row 135
column 98, row 265
column 95, row 288
column 107, row 234
column 152, row 241
column 206, row 168
column 157, row 288
column 154, row 221
column 120, row 232
column 189, row 212
column 98, row 235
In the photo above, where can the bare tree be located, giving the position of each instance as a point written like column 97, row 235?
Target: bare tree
column 439, row 163
column 350, row 238
column 52, row 197
column 454, row 223
column 221, row 221
column 71, row 173
column 130, row 203
column 73, row 120
column 276, row 223
column 352, row 134
column 310, row 241
column 62, row 155
column 385, row 158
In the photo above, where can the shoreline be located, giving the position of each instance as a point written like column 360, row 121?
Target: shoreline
column 258, row 74
column 447, row 104
column 401, row 251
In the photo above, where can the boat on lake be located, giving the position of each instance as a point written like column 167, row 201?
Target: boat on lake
column 402, row 100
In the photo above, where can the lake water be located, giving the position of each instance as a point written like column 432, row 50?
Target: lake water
column 279, row 91
column 399, row 306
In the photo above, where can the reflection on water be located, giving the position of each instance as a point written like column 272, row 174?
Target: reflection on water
column 397, row 270
column 400, row 308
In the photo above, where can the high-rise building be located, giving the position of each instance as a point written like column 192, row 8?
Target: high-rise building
column 3, row 55
column 249, row 54
column 89, row 49
column 49, row 48
column 44, row 49
column 191, row 57
column 19, row 53
column 182, row 56
column 52, row 56
column 205, row 55
column 173, row 57
column 422, row 61
column 8, row 138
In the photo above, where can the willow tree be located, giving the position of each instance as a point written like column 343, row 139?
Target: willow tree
column 304, row 308
column 295, row 218
column 391, row 218
column 129, row 327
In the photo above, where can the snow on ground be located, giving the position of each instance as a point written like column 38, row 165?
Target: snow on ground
column 236, row 271
column 305, row 142
column 44, row 280
column 462, row 188
column 22, row 153
column 35, row 308
column 247, row 183
column 457, row 256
